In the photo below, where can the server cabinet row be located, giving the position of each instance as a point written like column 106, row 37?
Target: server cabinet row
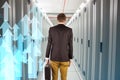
column 96, row 35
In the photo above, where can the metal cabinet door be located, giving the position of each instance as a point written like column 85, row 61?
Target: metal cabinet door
column 79, row 36
column 85, row 37
column 117, row 68
column 90, row 28
column 82, row 44
column 114, row 44
column 96, row 40
column 104, row 39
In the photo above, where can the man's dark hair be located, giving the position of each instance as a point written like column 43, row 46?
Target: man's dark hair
column 61, row 17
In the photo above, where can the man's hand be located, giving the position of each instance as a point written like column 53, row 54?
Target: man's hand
column 70, row 62
column 47, row 61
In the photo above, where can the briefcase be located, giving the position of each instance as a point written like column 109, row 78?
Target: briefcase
column 47, row 72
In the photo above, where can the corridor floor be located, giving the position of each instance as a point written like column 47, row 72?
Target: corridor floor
column 72, row 73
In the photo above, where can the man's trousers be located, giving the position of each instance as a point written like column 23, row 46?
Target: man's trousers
column 63, row 66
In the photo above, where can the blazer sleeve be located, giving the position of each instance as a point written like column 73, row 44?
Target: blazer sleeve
column 49, row 44
column 71, row 45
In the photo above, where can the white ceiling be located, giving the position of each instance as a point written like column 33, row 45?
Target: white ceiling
column 56, row 6
column 53, row 7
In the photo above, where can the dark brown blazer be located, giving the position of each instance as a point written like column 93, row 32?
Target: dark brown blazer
column 60, row 43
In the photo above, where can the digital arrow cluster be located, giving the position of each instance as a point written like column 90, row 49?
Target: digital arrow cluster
column 20, row 44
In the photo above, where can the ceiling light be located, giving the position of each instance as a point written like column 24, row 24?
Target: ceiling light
column 88, row 1
column 82, row 5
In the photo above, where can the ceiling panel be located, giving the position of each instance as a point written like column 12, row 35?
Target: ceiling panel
column 53, row 7
column 72, row 5
column 56, row 6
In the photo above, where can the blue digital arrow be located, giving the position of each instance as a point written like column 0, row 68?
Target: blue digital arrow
column 8, row 69
column 6, row 6
column 24, row 57
column 20, row 42
column 36, row 50
column 18, row 63
column 29, row 45
column 18, row 71
column 29, row 48
column 34, row 10
column 34, row 28
column 40, row 35
column 8, row 38
column 20, row 25
column 40, row 19
column 2, row 52
column 15, row 31
column 8, row 32
column 8, row 62
column 30, row 63
column 26, row 25
column 40, row 65
column 5, row 26
column 32, row 69
column 18, row 56
column 1, row 40
column 29, row 38
column 20, row 22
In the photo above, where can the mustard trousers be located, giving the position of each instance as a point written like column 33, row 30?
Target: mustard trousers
column 63, row 66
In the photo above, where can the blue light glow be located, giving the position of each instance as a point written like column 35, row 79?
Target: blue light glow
column 20, row 45
column 15, row 31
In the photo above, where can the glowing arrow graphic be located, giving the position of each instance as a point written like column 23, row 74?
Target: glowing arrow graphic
column 30, row 62
column 2, row 52
column 40, row 64
column 8, row 69
column 18, row 56
column 26, row 23
column 8, row 38
column 29, row 39
column 34, row 10
column 40, row 18
column 6, row 6
column 40, row 35
column 34, row 28
column 15, row 31
column 29, row 48
column 18, row 63
column 0, row 41
column 36, row 50
column 20, row 42
column 5, row 26
column 32, row 69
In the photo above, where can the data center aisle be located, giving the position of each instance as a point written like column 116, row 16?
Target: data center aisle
column 72, row 73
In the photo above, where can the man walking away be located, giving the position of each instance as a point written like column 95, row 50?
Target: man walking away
column 60, row 48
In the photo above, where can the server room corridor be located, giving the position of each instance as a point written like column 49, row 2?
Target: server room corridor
column 24, row 29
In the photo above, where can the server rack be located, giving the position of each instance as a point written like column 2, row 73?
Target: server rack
column 99, row 36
